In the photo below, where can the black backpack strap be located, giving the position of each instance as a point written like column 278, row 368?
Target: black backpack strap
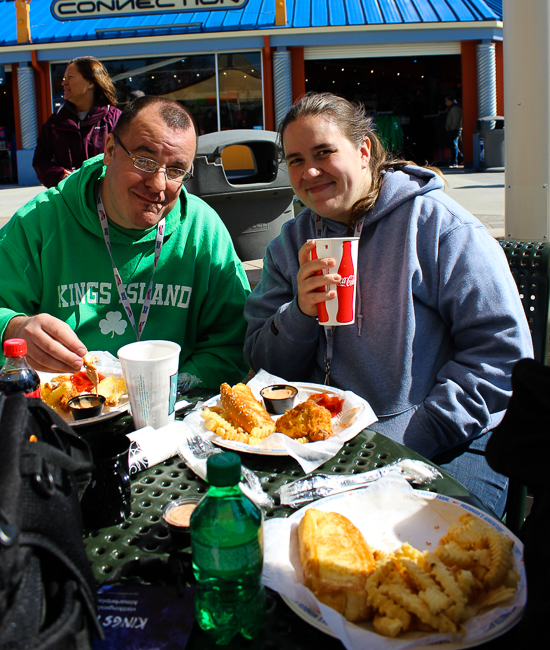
column 47, row 588
column 88, row 597
column 46, row 465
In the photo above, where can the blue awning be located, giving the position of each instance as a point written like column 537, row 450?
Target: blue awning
column 256, row 16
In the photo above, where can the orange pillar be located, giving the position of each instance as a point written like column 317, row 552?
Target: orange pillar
column 469, row 97
column 269, row 108
column 42, row 85
column 298, row 72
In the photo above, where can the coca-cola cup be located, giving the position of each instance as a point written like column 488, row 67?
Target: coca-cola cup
column 339, row 310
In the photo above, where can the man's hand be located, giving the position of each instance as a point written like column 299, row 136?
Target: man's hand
column 311, row 282
column 52, row 345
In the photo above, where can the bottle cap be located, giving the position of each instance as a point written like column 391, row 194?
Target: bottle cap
column 15, row 348
column 223, row 470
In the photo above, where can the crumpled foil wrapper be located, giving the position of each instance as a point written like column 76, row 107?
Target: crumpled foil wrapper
column 195, row 451
column 317, row 486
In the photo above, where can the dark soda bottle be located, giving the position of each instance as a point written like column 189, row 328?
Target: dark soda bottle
column 16, row 375
column 226, row 544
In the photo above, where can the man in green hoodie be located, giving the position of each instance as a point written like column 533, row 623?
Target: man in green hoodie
column 119, row 251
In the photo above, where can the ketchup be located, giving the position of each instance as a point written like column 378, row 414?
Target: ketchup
column 81, row 382
column 331, row 402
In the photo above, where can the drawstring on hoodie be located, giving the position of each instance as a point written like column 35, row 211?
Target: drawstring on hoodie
column 321, row 231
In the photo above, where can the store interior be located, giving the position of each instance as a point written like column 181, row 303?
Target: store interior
column 404, row 95
column 8, row 158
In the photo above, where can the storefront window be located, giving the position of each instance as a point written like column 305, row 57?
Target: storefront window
column 190, row 80
column 240, row 91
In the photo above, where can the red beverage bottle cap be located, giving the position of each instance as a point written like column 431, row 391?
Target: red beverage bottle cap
column 15, row 348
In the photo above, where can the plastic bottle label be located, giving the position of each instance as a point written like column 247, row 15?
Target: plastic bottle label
column 227, row 560
column 35, row 393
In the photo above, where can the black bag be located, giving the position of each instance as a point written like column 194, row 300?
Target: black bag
column 47, row 591
column 519, row 447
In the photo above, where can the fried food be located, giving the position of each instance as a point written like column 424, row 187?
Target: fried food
column 112, row 388
column 245, row 411
column 59, row 390
column 336, row 561
column 215, row 421
column 243, row 418
column 307, row 419
column 471, row 569
column 89, row 362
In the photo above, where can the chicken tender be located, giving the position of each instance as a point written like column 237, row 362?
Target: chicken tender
column 306, row 420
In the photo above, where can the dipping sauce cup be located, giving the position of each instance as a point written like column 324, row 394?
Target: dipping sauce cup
column 278, row 398
column 176, row 516
column 86, row 406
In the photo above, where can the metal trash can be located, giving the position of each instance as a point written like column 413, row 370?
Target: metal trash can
column 489, row 144
column 238, row 173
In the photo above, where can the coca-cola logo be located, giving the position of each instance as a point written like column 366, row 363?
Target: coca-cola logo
column 348, row 281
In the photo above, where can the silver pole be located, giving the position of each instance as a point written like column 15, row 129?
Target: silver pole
column 282, row 83
column 486, row 83
column 27, row 105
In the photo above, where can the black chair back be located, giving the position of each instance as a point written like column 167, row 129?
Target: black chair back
column 530, row 266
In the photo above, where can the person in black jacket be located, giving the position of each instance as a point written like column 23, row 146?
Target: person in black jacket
column 80, row 127
column 519, row 447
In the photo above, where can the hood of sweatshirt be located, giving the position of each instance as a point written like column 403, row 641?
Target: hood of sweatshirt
column 79, row 192
column 398, row 186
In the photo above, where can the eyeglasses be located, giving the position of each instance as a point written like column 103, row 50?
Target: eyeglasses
column 151, row 167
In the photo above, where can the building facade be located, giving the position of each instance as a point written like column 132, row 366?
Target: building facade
column 241, row 63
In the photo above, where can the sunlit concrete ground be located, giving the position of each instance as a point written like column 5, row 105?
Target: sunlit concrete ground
column 480, row 193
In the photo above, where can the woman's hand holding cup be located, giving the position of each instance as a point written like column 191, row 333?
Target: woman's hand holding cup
column 311, row 281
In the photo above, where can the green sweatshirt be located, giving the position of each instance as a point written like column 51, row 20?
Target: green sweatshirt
column 53, row 259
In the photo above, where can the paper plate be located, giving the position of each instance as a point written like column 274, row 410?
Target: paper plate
column 305, row 390
column 419, row 533
column 108, row 365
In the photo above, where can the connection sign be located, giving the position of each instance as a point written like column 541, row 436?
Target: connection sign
column 85, row 9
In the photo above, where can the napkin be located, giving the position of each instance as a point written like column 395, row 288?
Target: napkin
column 152, row 446
column 388, row 513
column 311, row 455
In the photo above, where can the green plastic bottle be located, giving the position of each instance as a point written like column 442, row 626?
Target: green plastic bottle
column 226, row 543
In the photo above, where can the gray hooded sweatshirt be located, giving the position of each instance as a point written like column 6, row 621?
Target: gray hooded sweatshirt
column 441, row 323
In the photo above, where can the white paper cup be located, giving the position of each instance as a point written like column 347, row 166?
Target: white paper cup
column 339, row 310
column 150, row 370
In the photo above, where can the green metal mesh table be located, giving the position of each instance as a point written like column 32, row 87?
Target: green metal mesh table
column 143, row 533
column 143, row 544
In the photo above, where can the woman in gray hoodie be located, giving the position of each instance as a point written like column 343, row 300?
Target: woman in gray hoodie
column 439, row 321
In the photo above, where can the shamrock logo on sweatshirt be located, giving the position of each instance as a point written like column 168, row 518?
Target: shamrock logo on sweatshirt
column 113, row 323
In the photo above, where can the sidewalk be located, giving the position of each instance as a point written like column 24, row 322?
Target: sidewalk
column 480, row 193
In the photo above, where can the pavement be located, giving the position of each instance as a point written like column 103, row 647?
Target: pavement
column 481, row 193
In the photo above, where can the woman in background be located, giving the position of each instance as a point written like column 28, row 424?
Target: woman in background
column 79, row 128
